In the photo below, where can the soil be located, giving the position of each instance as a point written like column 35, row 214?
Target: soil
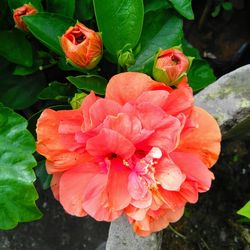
column 223, row 40
column 55, row 231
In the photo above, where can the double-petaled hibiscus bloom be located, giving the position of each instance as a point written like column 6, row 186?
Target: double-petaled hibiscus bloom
column 144, row 150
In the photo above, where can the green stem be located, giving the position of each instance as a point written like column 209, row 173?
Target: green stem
column 176, row 232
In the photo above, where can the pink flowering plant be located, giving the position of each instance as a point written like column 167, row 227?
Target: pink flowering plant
column 103, row 92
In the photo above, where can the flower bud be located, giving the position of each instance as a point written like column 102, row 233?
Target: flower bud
column 126, row 59
column 77, row 100
column 170, row 66
column 25, row 10
column 82, row 46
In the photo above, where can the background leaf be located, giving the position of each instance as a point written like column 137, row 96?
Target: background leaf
column 16, row 48
column 84, row 10
column 161, row 29
column 245, row 210
column 63, row 7
column 17, row 192
column 47, row 28
column 19, row 92
column 153, row 5
column 120, row 22
column 42, row 175
column 89, row 82
column 200, row 74
column 13, row 4
column 55, row 91
column 183, row 7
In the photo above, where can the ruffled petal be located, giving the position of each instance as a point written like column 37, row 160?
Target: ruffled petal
column 101, row 109
column 96, row 202
column 156, row 97
column 180, row 100
column 127, row 125
column 110, row 142
column 204, row 140
column 169, row 175
column 117, row 187
column 194, row 169
column 126, row 87
column 72, row 185
column 88, row 101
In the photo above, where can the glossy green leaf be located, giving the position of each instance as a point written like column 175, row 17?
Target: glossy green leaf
column 63, row 7
column 189, row 50
column 47, row 28
column 19, row 92
column 43, row 176
column 183, row 7
column 6, row 19
column 19, row 3
column 245, row 210
column 55, row 91
column 153, row 5
column 161, row 30
column 23, row 71
column 17, row 192
column 84, row 10
column 89, row 82
column 120, row 22
column 200, row 74
column 16, row 48
column 227, row 6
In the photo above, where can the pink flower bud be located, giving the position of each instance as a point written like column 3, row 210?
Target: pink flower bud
column 82, row 46
column 170, row 66
column 25, row 10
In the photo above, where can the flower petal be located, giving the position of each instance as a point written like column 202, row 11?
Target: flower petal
column 203, row 141
column 169, row 175
column 72, row 185
column 101, row 109
column 194, row 169
column 117, row 187
column 180, row 100
column 95, row 200
column 125, row 87
column 108, row 142
column 127, row 125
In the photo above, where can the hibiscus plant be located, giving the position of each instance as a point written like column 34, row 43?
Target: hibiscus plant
column 103, row 91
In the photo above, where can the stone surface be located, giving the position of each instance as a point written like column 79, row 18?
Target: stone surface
column 228, row 100
column 122, row 237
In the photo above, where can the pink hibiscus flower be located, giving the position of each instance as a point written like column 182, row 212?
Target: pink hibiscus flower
column 143, row 150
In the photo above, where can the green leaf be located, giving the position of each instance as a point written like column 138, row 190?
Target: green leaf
column 14, row 4
column 216, row 11
column 227, row 6
column 183, row 7
column 47, row 28
column 55, row 91
column 42, row 175
column 17, row 192
column 63, row 7
column 161, row 30
column 23, row 71
column 153, row 5
column 245, row 211
column 89, row 82
column 16, row 48
column 19, row 92
column 120, row 22
column 189, row 50
column 200, row 74
column 84, row 10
